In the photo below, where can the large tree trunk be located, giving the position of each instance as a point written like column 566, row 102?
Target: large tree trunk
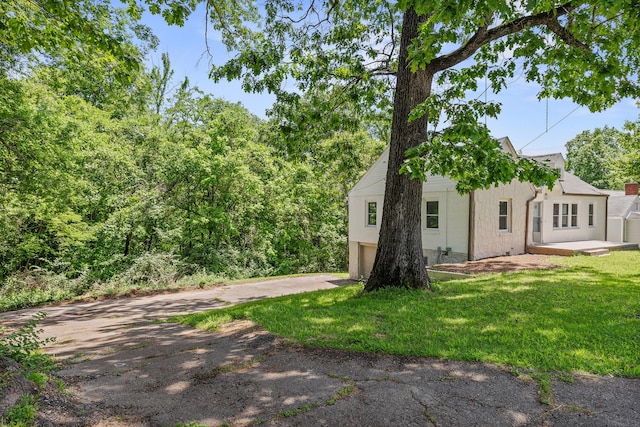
column 399, row 261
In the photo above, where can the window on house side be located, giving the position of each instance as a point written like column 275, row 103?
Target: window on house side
column 565, row 215
column 591, row 215
column 504, row 216
column 372, row 213
column 433, row 215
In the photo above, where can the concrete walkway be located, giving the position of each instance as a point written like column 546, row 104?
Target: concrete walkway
column 125, row 368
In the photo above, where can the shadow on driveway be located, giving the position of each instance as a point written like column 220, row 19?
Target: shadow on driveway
column 126, row 367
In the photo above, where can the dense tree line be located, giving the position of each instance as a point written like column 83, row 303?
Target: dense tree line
column 103, row 176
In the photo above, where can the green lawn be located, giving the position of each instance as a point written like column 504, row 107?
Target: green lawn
column 583, row 317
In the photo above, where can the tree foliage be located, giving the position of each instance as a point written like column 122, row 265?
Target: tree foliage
column 606, row 158
column 181, row 182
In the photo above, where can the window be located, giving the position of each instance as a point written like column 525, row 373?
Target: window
column 504, row 216
column 433, row 215
column 565, row 214
column 372, row 214
column 591, row 215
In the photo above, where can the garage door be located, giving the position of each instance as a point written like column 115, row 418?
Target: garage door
column 367, row 256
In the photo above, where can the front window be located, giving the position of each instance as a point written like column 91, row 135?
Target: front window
column 504, row 216
column 372, row 214
column 591, row 215
column 433, row 215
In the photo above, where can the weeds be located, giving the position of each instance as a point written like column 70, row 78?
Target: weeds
column 22, row 414
column 24, row 345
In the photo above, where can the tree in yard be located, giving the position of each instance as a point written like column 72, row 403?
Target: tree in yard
column 584, row 50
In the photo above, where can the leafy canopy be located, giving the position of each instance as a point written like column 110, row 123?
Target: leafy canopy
column 588, row 51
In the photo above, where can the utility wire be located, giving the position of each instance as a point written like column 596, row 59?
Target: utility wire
column 549, row 128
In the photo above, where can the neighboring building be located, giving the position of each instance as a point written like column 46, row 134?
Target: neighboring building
column 623, row 218
column 502, row 220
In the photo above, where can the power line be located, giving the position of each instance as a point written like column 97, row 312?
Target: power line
column 549, row 128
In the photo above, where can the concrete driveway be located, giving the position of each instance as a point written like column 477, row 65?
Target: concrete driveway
column 125, row 367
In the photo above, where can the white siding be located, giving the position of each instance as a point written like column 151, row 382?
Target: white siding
column 583, row 231
column 488, row 240
column 633, row 231
column 359, row 231
column 453, row 230
column 363, row 238
column 373, row 181
column 615, row 229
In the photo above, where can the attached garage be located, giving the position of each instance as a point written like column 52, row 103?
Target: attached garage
column 367, row 257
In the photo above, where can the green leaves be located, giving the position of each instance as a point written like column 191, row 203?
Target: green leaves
column 470, row 156
column 605, row 158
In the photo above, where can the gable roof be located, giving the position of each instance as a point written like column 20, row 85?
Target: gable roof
column 548, row 159
column 621, row 206
column 373, row 181
column 568, row 182
column 571, row 184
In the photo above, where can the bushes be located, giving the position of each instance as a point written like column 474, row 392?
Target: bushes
column 38, row 286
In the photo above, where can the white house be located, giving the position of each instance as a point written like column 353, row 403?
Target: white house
column 623, row 219
column 502, row 220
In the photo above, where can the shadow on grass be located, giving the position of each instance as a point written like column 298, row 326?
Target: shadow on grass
column 577, row 318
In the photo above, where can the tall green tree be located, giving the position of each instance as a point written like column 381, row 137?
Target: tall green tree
column 431, row 54
column 631, row 149
column 597, row 157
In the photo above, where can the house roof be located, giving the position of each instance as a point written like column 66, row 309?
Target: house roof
column 613, row 192
column 552, row 158
column 620, row 206
column 568, row 182
column 571, row 184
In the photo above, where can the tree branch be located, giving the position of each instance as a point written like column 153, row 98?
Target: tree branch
column 566, row 35
column 484, row 36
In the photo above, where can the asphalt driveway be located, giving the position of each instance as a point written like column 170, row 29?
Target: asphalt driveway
column 125, row 367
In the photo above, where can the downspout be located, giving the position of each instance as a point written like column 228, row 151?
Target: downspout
column 471, row 239
column 526, row 223
column 606, row 221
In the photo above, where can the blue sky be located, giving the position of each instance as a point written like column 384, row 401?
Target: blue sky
column 523, row 118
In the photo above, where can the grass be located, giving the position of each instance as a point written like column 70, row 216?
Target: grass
column 583, row 317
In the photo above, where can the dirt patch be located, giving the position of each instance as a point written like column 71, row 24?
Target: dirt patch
column 502, row 264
